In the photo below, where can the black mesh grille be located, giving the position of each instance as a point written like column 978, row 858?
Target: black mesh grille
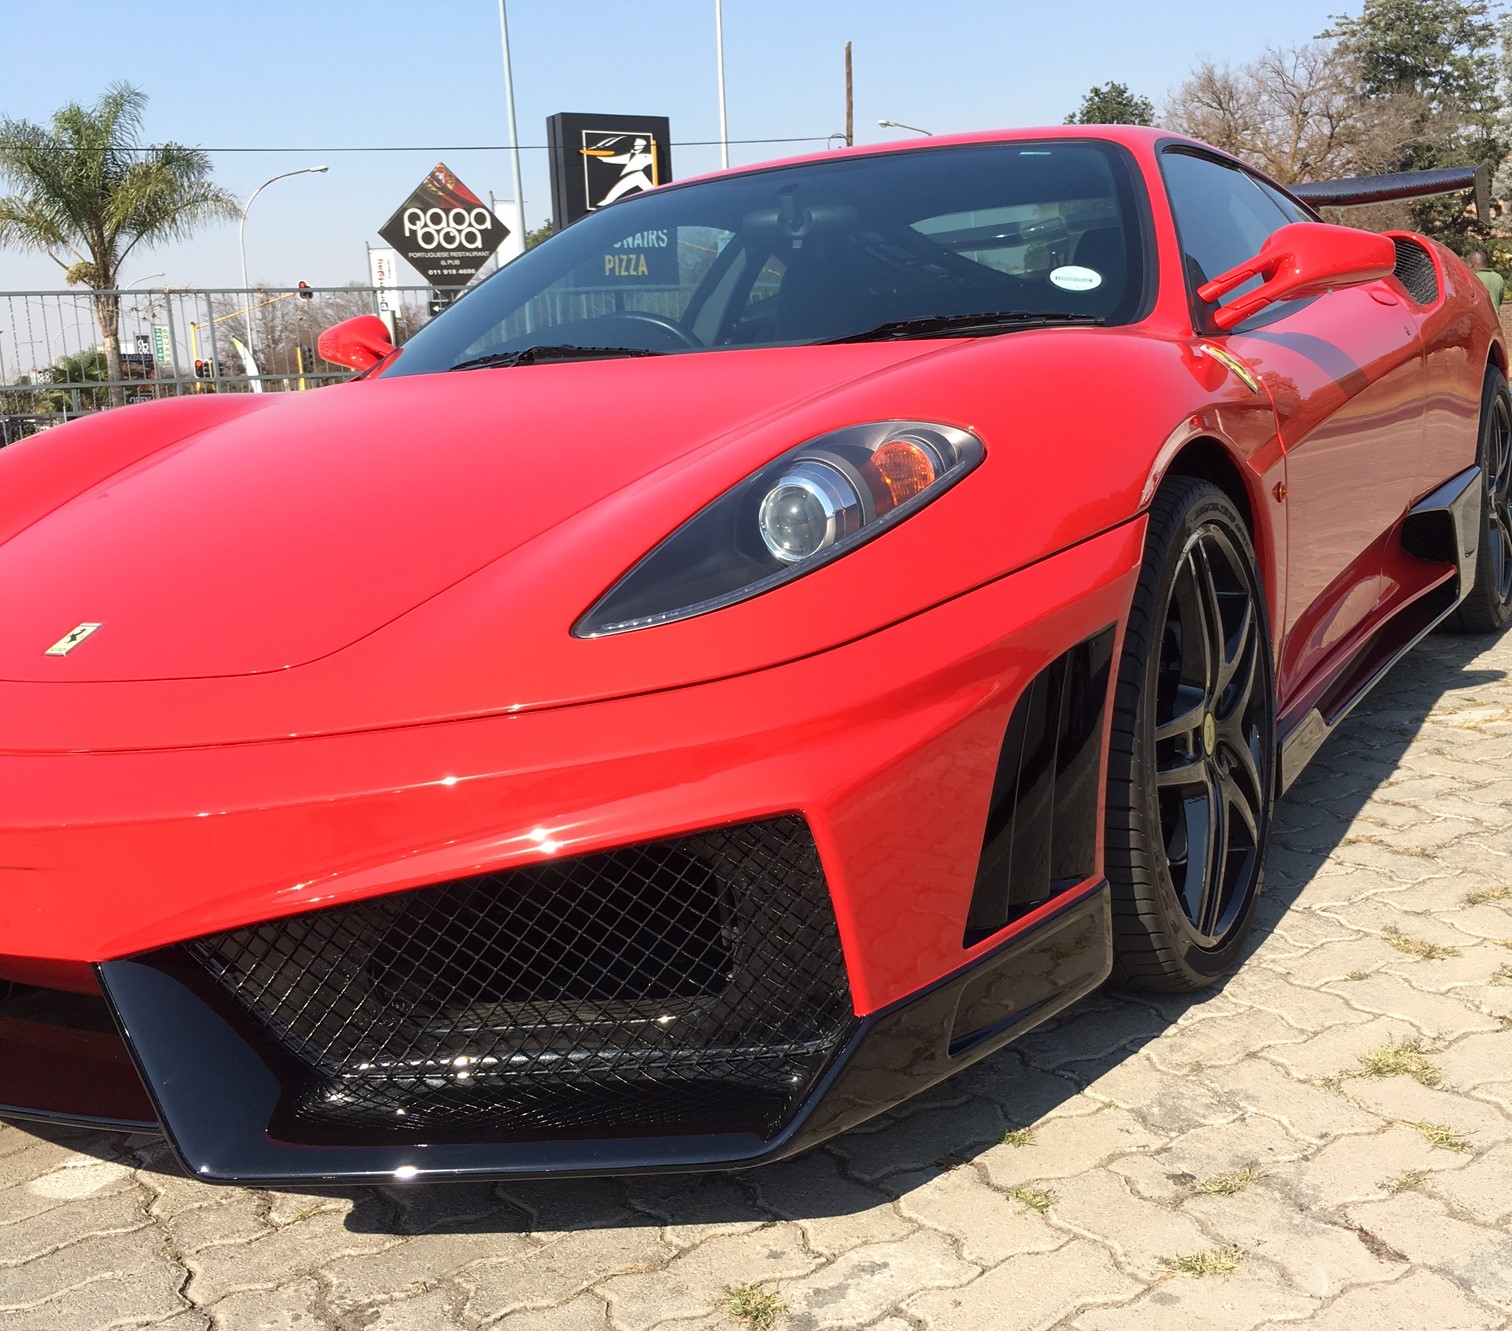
column 689, row 985
column 1414, row 270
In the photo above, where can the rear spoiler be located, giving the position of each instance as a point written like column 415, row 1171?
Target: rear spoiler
column 1401, row 185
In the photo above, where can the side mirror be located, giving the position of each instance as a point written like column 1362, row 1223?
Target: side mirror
column 1300, row 260
column 361, row 342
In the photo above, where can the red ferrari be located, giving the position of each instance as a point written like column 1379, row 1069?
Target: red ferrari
column 761, row 651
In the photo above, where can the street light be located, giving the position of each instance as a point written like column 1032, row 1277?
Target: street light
column 241, row 236
column 898, row 124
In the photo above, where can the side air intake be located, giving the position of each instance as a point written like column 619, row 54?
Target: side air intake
column 1415, row 270
column 1041, row 834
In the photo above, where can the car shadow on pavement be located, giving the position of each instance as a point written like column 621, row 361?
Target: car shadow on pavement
column 1045, row 1074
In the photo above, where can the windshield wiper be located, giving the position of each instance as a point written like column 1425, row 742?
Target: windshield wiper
column 962, row 325
column 535, row 355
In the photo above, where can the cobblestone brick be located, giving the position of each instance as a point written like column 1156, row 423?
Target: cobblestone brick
column 869, row 1281
column 835, row 1213
column 694, row 1281
column 1230, row 1303
column 1035, row 1291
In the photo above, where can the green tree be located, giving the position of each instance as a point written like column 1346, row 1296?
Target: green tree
column 1433, row 66
column 1113, row 104
column 87, row 192
column 1441, row 50
column 536, row 235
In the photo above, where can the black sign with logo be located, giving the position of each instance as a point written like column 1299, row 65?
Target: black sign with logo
column 444, row 231
column 596, row 160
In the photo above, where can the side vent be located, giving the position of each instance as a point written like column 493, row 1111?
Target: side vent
column 1415, row 271
column 1041, row 834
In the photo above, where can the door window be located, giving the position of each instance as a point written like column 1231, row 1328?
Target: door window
column 1223, row 217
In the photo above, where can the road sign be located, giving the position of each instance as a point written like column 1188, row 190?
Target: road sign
column 443, row 230
column 162, row 344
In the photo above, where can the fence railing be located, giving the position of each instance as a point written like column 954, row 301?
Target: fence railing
column 174, row 341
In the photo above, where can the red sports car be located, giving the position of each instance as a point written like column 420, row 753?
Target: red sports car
column 758, row 653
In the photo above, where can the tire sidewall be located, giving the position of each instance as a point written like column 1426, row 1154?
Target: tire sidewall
column 1208, row 506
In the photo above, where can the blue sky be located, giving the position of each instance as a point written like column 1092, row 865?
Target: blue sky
column 295, row 78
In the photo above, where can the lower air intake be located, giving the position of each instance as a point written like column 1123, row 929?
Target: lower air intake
column 694, row 985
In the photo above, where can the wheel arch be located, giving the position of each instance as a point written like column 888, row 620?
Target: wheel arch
column 1208, row 457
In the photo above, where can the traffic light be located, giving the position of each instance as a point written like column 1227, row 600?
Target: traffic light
column 203, row 369
column 304, row 291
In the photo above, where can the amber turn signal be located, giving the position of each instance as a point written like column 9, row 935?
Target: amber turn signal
column 898, row 470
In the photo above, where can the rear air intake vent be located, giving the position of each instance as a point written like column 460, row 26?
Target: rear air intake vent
column 1415, row 271
column 1041, row 835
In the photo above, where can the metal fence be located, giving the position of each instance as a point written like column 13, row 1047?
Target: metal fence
column 174, row 341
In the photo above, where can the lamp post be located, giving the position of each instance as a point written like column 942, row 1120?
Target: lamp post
column 724, row 126
column 514, row 133
column 898, row 124
column 241, row 235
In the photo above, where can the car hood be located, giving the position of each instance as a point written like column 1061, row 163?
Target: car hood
column 279, row 530
column 441, row 576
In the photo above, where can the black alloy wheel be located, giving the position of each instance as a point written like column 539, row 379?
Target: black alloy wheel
column 1488, row 606
column 1191, row 779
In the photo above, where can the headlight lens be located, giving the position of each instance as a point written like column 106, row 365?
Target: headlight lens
column 810, row 506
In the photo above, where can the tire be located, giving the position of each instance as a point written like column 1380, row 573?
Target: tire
column 1488, row 607
column 1193, row 733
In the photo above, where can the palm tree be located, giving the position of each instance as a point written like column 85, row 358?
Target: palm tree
column 79, row 369
column 87, row 193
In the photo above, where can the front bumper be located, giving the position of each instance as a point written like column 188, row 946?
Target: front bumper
column 887, row 748
column 219, row 1095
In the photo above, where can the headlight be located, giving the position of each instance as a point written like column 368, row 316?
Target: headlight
column 812, row 505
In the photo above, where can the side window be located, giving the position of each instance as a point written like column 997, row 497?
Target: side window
column 1293, row 210
column 1222, row 216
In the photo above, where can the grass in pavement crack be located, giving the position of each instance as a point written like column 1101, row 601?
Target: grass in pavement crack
column 1405, row 1182
column 1442, row 1138
column 1210, row 1262
column 1481, row 895
column 754, row 1306
column 1404, row 1059
column 1036, row 1199
column 1417, row 947
column 1226, row 1185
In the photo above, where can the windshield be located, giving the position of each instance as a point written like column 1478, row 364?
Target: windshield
column 819, row 252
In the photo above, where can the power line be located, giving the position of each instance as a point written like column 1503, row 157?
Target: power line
column 424, row 148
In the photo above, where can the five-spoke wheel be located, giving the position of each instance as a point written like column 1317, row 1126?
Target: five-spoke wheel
column 1191, row 779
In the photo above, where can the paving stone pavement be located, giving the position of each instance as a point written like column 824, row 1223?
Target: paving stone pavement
column 1220, row 1161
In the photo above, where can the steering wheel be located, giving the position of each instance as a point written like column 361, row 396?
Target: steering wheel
column 673, row 330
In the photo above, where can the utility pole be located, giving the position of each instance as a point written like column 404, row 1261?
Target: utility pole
column 850, row 102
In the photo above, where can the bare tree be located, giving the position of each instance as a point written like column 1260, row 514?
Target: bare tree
column 1297, row 114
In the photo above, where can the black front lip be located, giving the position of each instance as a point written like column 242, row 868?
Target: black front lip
column 216, row 1094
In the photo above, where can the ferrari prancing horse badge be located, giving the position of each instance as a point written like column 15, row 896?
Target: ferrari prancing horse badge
column 70, row 640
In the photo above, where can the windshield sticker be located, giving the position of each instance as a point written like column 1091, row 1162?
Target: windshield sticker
column 1072, row 278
